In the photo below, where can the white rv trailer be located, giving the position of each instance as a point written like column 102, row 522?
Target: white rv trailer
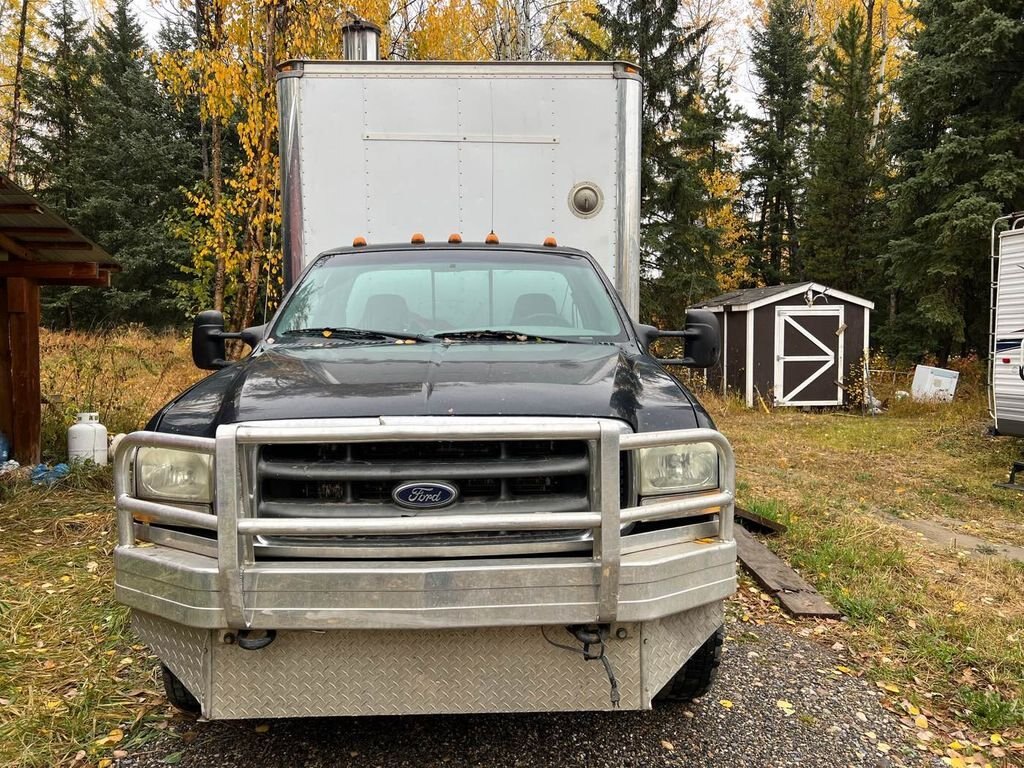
column 1006, row 361
column 526, row 150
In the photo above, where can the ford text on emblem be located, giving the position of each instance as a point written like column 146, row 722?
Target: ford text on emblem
column 425, row 495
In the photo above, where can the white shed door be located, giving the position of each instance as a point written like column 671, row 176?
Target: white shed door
column 809, row 355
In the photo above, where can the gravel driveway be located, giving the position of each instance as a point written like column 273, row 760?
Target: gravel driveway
column 789, row 707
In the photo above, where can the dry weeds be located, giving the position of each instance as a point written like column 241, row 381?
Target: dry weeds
column 125, row 375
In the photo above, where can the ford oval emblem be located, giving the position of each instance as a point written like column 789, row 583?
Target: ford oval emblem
column 429, row 494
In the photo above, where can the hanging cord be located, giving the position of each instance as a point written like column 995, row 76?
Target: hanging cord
column 490, row 91
column 590, row 636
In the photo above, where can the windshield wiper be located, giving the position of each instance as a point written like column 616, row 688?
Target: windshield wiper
column 489, row 335
column 359, row 333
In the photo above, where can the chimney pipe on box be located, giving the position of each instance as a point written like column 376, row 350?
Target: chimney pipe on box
column 360, row 40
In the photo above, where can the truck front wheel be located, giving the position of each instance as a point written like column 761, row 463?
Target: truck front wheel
column 697, row 675
column 177, row 693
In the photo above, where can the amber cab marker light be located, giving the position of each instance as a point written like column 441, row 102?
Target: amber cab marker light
column 455, row 238
column 418, row 238
column 491, row 239
column 358, row 242
column 550, row 242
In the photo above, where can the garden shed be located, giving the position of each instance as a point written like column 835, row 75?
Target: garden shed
column 791, row 345
column 37, row 248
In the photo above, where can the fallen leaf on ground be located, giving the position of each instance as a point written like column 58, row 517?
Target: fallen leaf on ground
column 726, row 703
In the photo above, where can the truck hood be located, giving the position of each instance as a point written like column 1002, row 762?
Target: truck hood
column 337, row 379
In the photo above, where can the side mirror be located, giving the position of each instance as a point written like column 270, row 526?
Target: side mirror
column 702, row 345
column 208, row 337
column 208, row 340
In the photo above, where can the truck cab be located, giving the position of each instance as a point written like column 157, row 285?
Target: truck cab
column 448, row 477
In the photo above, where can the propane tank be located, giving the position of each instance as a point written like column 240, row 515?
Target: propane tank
column 87, row 439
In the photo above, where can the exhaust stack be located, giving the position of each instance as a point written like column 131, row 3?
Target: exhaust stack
column 360, row 40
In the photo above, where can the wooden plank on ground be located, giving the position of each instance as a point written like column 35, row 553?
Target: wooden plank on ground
column 779, row 580
column 765, row 524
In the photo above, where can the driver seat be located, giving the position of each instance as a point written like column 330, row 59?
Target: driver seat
column 530, row 304
column 385, row 312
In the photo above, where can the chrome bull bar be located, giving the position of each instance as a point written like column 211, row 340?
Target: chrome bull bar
column 236, row 528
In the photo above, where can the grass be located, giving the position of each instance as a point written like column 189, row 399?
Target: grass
column 70, row 671
column 947, row 630
column 946, row 626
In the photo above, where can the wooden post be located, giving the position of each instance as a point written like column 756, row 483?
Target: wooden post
column 23, row 340
column 6, row 393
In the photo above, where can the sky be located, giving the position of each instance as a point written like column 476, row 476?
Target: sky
column 731, row 40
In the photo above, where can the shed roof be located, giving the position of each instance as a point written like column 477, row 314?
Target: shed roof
column 752, row 298
column 31, row 231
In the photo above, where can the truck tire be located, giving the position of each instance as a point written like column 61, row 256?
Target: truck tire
column 177, row 693
column 697, row 675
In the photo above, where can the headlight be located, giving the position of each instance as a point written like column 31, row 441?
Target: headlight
column 678, row 469
column 165, row 473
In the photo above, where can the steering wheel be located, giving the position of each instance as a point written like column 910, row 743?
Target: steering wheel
column 545, row 318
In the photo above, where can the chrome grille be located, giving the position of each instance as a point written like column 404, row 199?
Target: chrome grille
column 355, row 480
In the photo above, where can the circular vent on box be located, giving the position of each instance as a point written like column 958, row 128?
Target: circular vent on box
column 585, row 199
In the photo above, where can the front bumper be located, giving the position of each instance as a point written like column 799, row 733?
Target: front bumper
column 185, row 588
column 675, row 565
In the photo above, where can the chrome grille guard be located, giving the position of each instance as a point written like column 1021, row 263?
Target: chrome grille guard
column 236, row 527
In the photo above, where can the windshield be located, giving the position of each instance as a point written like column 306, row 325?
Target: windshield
column 433, row 292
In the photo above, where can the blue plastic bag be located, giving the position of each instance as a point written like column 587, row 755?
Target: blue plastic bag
column 44, row 475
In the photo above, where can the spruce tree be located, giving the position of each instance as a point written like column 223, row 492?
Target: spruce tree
column 58, row 89
column 839, row 240
column 959, row 151
column 676, row 247
column 781, row 57
column 134, row 163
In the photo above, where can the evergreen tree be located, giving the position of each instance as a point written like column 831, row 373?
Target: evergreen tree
column 781, row 56
column 839, row 240
column 717, row 163
column 134, row 161
column 959, row 151
column 58, row 88
column 676, row 245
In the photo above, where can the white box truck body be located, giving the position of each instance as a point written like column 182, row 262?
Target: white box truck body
column 385, row 149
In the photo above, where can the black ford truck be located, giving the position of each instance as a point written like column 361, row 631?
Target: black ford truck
column 448, row 477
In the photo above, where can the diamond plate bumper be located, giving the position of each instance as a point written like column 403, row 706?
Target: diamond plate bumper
column 387, row 672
